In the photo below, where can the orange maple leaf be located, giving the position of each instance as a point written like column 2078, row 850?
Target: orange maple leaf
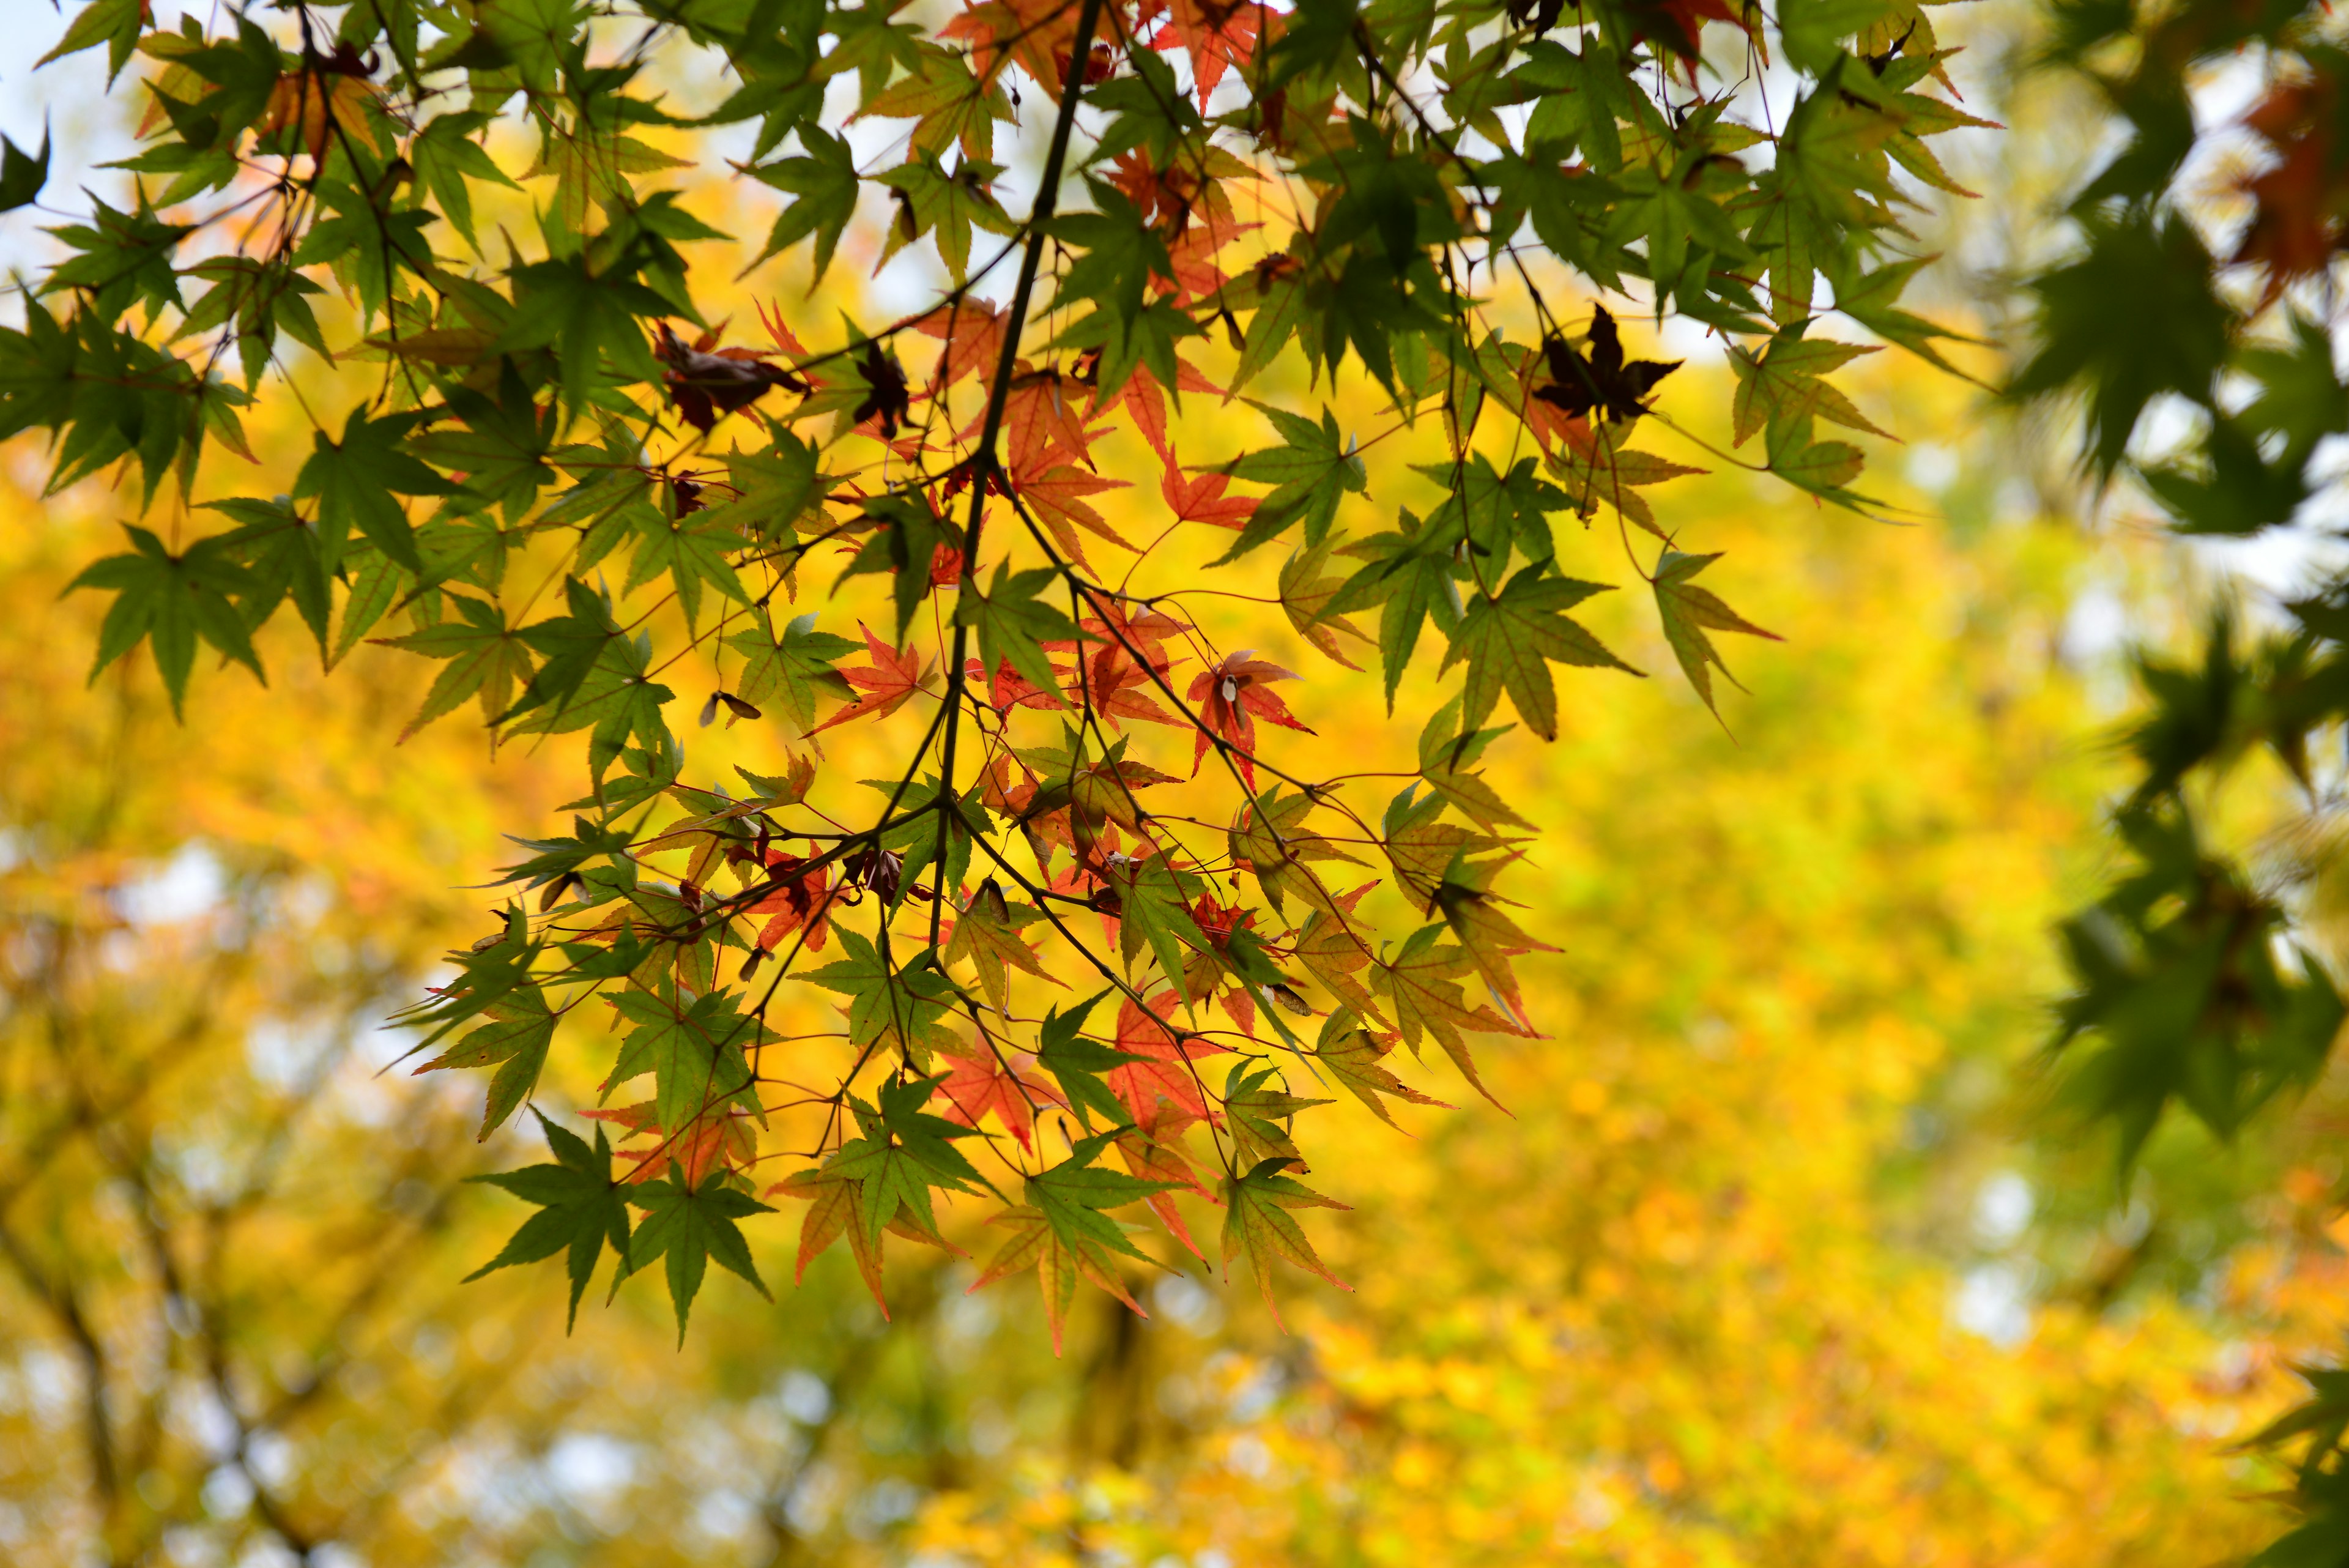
column 1216, row 36
column 800, row 898
column 882, row 689
column 1202, row 500
column 718, row 1137
column 973, row 333
column 1056, row 493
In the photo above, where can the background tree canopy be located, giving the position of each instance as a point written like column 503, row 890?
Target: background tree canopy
column 1066, row 838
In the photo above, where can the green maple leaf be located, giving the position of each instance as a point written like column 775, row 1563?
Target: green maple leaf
column 280, row 553
column 120, row 258
column 773, row 491
column 890, row 1188
column 484, row 655
column 787, row 673
column 1256, row 1220
column 21, row 175
column 588, row 318
column 928, row 1139
column 1509, row 640
column 172, row 602
column 824, row 185
column 1352, row 1055
column 900, row 1006
column 933, row 201
column 1154, row 911
column 1689, row 612
column 515, row 1043
column 1446, row 755
column 356, row 480
column 1410, row 576
column 570, row 645
column 1077, row 1064
column 114, row 22
column 1312, row 467
column 994, row 945
column 1072, row 1195
column 696, row 1054
column 688, row 1226
column 949, row 103
column 693, row 551
column 1014, row 624
column 1258, row 1112
column 1422, row 985
column 581, row 1208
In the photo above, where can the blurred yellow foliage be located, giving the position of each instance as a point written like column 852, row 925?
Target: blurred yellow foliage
column 1696, row 1298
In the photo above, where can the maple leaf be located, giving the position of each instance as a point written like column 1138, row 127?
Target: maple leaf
column 1689, row 611
column 1216, row 36
column 2296, row 219
column 1144, row 401
column 515, row 1043
column 1602, row 382
column 722, row 1136
column 580, row 1209
column 689, row 1224
column 330, row 95
column 1331, row 951
column 1164, row 1069
column 1202, row 499
column 800, row 898
column 836, row 1207
column 887, row 400
column 1061, row 1230
column 1353, row 1055
column 1231, row 696
column 1428, row 1000
column 1305, row 595
column 987, row 932
column 702, row 385
column 1510, row 639
column 1040, row 414
column 973, row 331
column 883, row 688
column 1154, row 1156
column 1040, row 34
column 1256, row 1220
column 980, row 1082
column 1056, row 495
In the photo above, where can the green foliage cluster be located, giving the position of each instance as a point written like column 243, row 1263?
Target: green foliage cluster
column 2198, row 982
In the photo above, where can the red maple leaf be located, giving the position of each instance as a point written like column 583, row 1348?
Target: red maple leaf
column 802, row 898
column 973, row 331
column 2300, row 200
column 1146, row 400
column 1231, row 697
column 1042, row 412
column 1007, row 689
column 1154, row 1156
column 1676, row 24
column 719, row 1136
column 1040, row 34
column 1165, row 1071
column 983, row 1081
column 883, row 688
column 1202, row 500
column 1216, row 36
